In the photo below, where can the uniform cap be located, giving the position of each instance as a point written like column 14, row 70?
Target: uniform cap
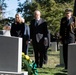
column 69, row 10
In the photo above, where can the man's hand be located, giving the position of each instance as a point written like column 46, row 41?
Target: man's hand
column 26, row 42
column 30, row 41
column 45, row 42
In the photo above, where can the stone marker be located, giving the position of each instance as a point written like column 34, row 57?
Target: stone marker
column 6, row 32
column 10, row 54
column 72, row 59
column 54, row 46
column 13, row 73
column 61, row 56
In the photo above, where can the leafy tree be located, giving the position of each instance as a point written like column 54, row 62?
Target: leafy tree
column 52, row 11
column 27, row 9
column 2, row 8
column 2, row 4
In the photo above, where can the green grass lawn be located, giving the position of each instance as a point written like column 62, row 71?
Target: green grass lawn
column 52, row 67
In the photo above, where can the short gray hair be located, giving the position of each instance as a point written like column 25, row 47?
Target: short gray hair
column 37, row 11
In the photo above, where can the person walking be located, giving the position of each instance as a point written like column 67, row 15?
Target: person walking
column 38, row 36
column 18, row 28
column 67, row 33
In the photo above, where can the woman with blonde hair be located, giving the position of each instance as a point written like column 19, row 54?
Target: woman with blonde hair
column 18, row 27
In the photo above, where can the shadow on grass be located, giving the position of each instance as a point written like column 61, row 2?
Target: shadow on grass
column 53, row 54
column 47, row 68
column 60, row 74
column 43, row 72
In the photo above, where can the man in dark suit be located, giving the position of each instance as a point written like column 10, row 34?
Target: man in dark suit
column 67, row 33
column 38, row 35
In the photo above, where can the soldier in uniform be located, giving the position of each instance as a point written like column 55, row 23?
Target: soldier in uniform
column 67, row 33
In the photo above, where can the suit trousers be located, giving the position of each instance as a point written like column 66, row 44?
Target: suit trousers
column 39, row 53
column 45, row 58
column 65, row 54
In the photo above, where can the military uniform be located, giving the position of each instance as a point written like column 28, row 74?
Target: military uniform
column 67, row 35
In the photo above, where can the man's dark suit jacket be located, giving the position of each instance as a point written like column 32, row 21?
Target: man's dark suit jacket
column 41, row 28
column 66, row 32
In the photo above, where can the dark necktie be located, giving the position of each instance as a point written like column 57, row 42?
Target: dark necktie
column 69, row 21
column 36, row 22
column 26, row 31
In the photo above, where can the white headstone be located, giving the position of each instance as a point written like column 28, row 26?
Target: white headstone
column 6, row 32
column 54, row 46
column 10, row 54
column 13, row 73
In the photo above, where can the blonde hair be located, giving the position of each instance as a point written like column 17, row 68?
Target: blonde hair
column 37, row 11
column 20, row 19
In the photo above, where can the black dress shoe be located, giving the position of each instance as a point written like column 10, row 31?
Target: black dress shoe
column 66, row 68
column 44, row 62
column 40, row 66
